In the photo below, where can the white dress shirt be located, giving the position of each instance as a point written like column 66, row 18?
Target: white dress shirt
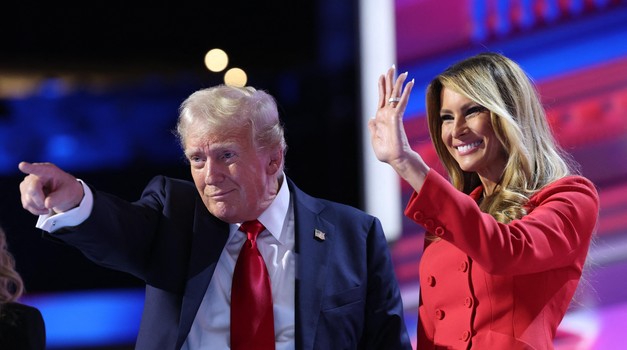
column 210, row 329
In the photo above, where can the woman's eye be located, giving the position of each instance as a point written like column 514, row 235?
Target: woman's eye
column 475, row 110
column 446, row 117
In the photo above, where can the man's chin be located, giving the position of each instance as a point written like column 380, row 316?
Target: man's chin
column 222, row 211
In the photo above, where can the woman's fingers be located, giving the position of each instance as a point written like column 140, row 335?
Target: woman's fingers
column 381, row 86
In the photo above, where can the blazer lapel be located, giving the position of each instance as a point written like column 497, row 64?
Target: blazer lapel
column 314, row 235
column 209, row 238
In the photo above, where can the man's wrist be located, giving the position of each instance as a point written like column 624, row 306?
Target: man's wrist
column 73, row 217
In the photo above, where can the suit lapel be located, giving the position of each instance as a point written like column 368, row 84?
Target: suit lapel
column 314, row 237
column 209, row 238
column 312, row 248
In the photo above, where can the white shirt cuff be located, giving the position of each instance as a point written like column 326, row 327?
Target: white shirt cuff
column 72, row 217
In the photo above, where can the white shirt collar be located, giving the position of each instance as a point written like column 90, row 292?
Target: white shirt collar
column 273, row 218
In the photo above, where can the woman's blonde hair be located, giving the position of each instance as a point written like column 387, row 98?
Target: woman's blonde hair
column 11, row 284
column 519, row 121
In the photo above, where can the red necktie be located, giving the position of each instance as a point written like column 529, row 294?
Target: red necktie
column 252, row 319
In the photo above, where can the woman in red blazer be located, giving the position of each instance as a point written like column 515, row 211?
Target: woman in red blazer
column 507, row 237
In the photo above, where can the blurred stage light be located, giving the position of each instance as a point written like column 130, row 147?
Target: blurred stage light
column 86, row 319
column 216, row 60
column 235, row 77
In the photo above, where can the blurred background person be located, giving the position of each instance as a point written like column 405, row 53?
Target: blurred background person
column 21, row 326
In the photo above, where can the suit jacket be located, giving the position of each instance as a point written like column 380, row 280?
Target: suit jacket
column 21, row 327
column 489, row 285
column 347, row 295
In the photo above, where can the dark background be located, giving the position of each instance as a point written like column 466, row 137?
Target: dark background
column 303, row 53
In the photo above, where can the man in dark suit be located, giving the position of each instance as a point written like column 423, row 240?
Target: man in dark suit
column 330, row 272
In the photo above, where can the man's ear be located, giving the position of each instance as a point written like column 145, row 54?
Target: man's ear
column 276, row 161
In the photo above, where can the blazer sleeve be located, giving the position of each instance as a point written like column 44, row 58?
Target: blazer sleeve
column 385, row 326
column 555, row 233
column 126, row 236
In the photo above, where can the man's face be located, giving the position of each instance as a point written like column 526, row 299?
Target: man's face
column 236, row 181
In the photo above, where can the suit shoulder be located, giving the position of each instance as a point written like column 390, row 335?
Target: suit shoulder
column 344, row 208
column 171, row 181
column 20, row 309
column 21, row 327
column 170, row 184
column 348, row 215
column 327, row 206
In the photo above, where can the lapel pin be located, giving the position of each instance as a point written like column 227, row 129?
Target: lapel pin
column 319, row 235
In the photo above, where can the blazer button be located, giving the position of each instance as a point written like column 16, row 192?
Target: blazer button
column 466, row 336
column 468, row 302
column 439, row 231
column 439, row 314
column 463, row 267
column 418, row 216
column 431, row 281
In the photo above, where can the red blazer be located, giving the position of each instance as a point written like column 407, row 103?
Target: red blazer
column 489, row 285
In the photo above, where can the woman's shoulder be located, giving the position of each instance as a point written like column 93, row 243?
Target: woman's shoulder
column 576, row 187
column 21, row 326
column 17, row 314
column 19, row 309
column 571, row 182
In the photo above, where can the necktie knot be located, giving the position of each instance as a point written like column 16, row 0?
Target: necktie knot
column 252, row 228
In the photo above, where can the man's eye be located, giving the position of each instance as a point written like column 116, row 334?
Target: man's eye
column 195, row 161
column 228, row 155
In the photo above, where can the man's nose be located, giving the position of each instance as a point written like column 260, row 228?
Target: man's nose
column 213, row 173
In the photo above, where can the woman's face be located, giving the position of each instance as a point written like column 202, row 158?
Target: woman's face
column 469, row 137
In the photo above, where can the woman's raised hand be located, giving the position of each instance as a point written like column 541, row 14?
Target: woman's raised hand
column 387, row 133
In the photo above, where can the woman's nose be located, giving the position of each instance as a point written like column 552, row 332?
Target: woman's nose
column 459, row 127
